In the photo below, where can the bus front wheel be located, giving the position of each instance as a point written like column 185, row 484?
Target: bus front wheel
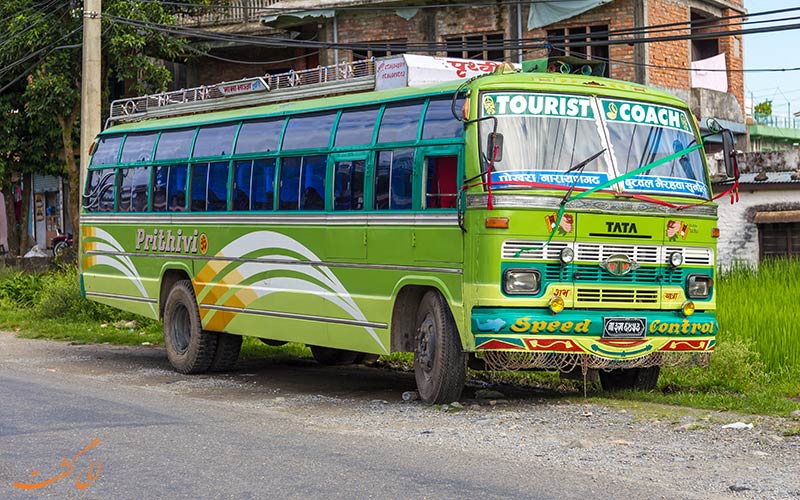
column 644, row 379
column 440, row 365
column 190, row 349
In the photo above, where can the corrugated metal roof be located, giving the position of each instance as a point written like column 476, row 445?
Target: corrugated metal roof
column 771, row 178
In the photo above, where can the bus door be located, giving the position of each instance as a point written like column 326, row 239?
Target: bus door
column 439, row 173
column 346, row 236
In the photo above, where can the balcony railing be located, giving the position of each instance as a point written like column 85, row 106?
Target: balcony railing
column 228, row 12
column 776, row 121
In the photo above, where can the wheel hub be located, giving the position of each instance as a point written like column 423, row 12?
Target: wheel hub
column 426, row 344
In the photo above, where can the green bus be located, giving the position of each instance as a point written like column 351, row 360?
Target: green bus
column 508, row 221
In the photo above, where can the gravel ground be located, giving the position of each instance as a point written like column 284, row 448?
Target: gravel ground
column 675, row 449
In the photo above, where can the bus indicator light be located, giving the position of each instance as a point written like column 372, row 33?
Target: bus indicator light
column 497, row 222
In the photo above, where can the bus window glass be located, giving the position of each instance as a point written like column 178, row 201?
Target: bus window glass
column 440, row 181
column 174, row 144
column 439, row 121
column 133, row 189
column 199, row 186
column 160, row 178
column 107, row 191
column 215, row 140
column 107, row 150
column 138, row 147
column 263, row 192
column 242, row 177
column 313, row 182
column 306, row 132
column 400, row 123
column 98, row 182
column 217, row 187
column 176, row 190
column 289, row 196
column 260, row 136
column 393, row 179
column 355, row 127
column 348, row 185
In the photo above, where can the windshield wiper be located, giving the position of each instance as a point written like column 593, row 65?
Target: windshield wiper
column 579, row 166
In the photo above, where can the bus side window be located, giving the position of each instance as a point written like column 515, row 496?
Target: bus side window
column 174, row 144
column 176, row 190
column 393, row 172
column 133, row 189
column 99, row 194
column 310, row 131
column 262, row 194
column 440, row 181
column 217, row 187
column 356, row 127
column 400, row 123
column 439, row 121
column 242, row 183
column 289, row 184
column 313, row 182
column 160, row 189
column 348, row 185
column 106, row 150
column 199, row 186
column 214, row 140
column 138, row 147
column 107, row 190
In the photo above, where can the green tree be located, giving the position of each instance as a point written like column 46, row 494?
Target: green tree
column 40, row 57
column 763, row 108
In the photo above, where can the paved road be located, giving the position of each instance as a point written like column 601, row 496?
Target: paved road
column 258, row 433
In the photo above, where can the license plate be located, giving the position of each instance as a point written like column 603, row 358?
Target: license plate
column 624, row 328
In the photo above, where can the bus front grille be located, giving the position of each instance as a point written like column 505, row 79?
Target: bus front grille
column 616, row 295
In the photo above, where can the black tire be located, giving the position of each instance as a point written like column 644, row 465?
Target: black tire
column 190, row 349
column 227, row 353
column 329, row 356
column 440, row 365
column 59, row 248
column 643, row 379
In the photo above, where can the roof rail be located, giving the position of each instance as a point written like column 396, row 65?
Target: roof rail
column 345, row 77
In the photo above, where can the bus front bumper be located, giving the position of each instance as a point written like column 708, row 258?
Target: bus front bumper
column 617, row 334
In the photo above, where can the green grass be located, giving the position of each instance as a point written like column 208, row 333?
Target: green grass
column 755, row 369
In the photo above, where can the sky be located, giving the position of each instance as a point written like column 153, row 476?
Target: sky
column 773, row 50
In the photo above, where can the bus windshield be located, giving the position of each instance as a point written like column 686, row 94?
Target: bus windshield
column 544, row 135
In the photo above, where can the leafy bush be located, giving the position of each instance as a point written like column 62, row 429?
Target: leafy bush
column 60, row 297
column 19, row 288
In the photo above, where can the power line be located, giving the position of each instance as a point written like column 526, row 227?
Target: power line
column 35, row 64
column 255, row 63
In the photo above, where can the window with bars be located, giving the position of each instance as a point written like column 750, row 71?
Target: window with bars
column 583, row 38
column 778, row 240
column 485, row 46
column 381, row 49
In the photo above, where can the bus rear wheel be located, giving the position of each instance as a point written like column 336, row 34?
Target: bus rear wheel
column 440, row 365
column 190, row 349
column 644, row 379
column 329, row 356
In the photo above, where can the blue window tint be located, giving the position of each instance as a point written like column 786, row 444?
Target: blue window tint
column 160, row 178
column 355, row 127
column 242, row 177
column 263, row 192
column 99, row 195
column 107, row 150
column 400, row 123
column 393, row 172
column 138, row 147
column 133, row 189
column 176, row 192
column 174, row 144
column 439, row 121
column 260, row 136
column 218, row 187
column 215, row 140
column 289, row 198
column 313, row 182
column 199, row 186
column 348, row 185
column 305, row 132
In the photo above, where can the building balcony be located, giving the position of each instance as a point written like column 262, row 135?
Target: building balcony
column 233, row 12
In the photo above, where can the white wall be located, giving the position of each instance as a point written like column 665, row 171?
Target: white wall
column 738, row 241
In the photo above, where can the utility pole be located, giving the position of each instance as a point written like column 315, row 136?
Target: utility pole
column 90, row 87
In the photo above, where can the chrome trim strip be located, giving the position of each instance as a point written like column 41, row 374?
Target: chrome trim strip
column 626, row 207
column 324, row 319
column 278, row 219
column 388, row 267
column 122, row 297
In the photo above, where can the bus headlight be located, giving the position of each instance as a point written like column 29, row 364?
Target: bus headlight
column 698, row 286
column 675, row 259
column 521, row 281
column 567, row 255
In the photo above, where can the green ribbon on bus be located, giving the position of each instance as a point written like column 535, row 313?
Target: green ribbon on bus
column 613, row 181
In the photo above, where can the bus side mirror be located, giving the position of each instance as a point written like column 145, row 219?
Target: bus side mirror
column 494, row 146
column 729, row 154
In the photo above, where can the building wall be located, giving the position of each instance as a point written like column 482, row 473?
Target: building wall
column 738, row 241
